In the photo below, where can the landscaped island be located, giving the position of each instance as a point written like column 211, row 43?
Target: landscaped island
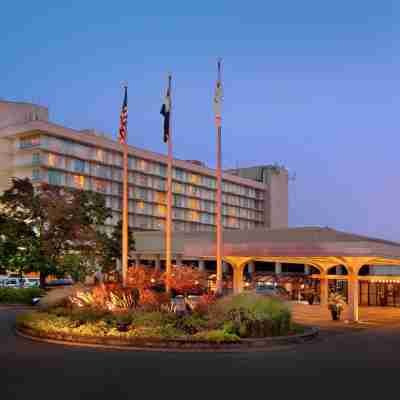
column 146, row 314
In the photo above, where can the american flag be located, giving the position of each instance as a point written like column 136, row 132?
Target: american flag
column 123, row 125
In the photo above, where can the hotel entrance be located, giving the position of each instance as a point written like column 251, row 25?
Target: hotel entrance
column 380, row 293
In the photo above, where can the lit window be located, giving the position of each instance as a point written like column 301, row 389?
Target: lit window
column 99, row 155
column 161, row 210
column 194, row 216
column 160, row 197
column 52, row 160
column 79, row 181
column 178, row 188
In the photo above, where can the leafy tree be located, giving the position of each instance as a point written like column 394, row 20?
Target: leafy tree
column 56, row 220
column 112, row 247
column 76, row 266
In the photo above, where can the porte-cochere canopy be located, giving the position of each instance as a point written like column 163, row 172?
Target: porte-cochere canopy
column 321, row 247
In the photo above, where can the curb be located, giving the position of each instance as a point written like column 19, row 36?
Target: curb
column 178, row 345
column 15, row 306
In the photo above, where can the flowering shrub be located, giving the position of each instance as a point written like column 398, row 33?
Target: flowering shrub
column 186, row 280
column 143, row 277
column 154, row 301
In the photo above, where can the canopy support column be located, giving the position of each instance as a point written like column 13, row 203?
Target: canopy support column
column 353, row 298
column 324, row 288
column 238, row 264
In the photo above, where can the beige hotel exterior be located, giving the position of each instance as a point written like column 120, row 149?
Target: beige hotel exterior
column 32, row 146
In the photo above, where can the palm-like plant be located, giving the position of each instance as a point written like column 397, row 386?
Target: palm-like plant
column 336, row 302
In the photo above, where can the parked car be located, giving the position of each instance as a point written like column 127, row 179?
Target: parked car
column 59, row 282
column 30, row 282
column 11, row 283
column 272, row 290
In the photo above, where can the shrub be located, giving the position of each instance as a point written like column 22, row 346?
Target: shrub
column 143, row 277
column 218, row 336
column 250, row 315
column 190, row 324
column 19, row 295
column 186, row 280
column 154, row 301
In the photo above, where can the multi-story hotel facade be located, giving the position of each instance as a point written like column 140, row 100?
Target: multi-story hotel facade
column 34, row 147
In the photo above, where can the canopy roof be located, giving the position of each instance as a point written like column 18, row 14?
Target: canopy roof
column 308, row 245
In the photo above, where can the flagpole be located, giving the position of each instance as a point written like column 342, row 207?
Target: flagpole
column 219, row 190
column 125, row 214
column 168, row 225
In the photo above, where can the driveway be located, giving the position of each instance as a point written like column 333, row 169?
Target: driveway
column 364, row 362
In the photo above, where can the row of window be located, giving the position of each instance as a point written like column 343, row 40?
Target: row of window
column 114, row 173
column 148, row 222
column 114, row 158
column 81, row 182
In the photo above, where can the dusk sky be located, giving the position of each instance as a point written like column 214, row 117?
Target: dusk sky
column 311, row 85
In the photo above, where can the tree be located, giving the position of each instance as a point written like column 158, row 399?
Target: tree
column 112, row 247
column 58, row 221
column 76, row 266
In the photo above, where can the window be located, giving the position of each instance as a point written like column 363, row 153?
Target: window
column 100, row 186
column 35, row 158
column 100, row 155
column 178, row 174
column 131, row 162
column 161, row 210
column 163, row 170
column 117, row 173
column 36, row 174
column 52, row 160
column 142, row 165
column 177, row 187
column 194, row 203
column 79, row 166
column 32, row 141
column 160, row 197
column 194, row 216
column 79, row 181
column 55, row 177
column 140, row 206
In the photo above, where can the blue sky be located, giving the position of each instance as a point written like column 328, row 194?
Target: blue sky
column 311, row 85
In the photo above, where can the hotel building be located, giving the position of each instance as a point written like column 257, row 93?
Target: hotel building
column 32, row 146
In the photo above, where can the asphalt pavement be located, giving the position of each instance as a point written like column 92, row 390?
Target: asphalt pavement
column 364, row 363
